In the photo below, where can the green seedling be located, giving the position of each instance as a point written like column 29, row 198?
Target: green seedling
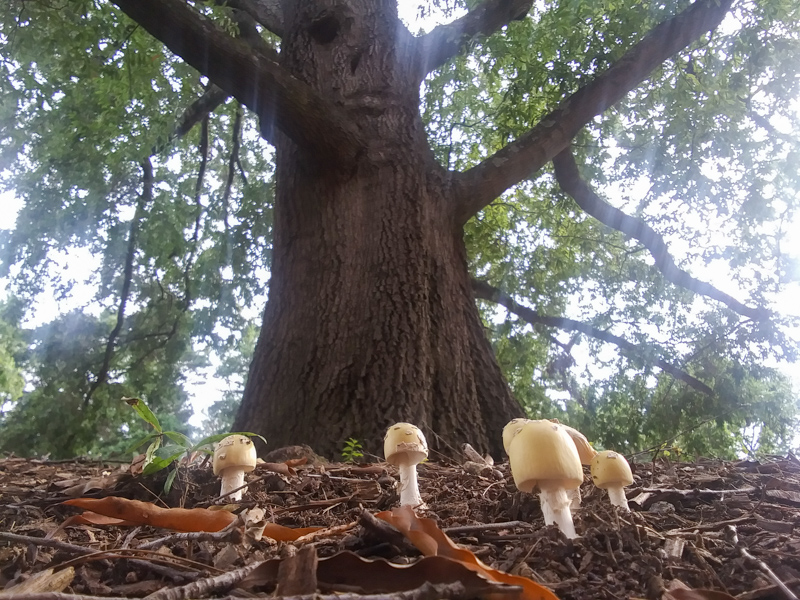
column 352, row 450
column 165, row 448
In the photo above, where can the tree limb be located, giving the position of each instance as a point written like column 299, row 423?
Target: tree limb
column 265, row 12
column 488, row 292
column 520, row 159
column 145, row 198
column 199, row 110
column 445, row 41
column 280, row 100
column 569, row 179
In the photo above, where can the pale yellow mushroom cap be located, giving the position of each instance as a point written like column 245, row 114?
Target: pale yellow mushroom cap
column 542, row 453
column 404, row 444
column 585, row 450
column 235, row 451
column 610, row 468
column 510, row 430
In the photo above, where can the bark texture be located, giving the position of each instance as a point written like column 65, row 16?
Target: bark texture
column 371, row 318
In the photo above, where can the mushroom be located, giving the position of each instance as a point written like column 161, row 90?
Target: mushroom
column 234, row 456
column 510, row 430
column 543, row 455
column 585, row 450
column 610, row 471
column 586, row 454
column 405, row 447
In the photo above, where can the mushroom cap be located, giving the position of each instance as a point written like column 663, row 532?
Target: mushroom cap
column 610, row 468
column 542, row 453
column 404, row 445
column 235, row 451
column 585, row 450
column 510, row 430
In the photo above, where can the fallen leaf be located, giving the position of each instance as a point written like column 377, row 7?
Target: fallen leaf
column 432, row 541
column 286, row 534
column 93, row 518
column 146, row 513
column 279, row 468
column 372, row 576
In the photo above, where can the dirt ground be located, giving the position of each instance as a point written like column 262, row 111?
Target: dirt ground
column 733, row 527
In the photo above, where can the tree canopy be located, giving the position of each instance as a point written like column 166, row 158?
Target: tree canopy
column 620, row 246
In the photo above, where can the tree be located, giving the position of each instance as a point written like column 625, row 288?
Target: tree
column 387, row 204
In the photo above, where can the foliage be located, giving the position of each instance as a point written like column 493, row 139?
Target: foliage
column 12, row 345
column 160, row 453
column 352, row 450
column 705, row 151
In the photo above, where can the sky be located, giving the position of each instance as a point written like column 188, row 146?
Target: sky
column 205, row 389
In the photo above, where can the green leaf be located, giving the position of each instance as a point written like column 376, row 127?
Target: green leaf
column 144, row 411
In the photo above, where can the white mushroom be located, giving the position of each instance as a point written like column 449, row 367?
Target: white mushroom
column 543, row 455
column 234, row 456
column 405, row 447
column 610, row 471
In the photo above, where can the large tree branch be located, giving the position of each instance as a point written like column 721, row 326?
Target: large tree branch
column 522, row 158
column 282, row 102
column 569, row 179
column 488, row 292
column 445, row 41
column 265, row 12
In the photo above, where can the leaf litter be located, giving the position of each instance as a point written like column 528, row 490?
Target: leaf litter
column 704, row 530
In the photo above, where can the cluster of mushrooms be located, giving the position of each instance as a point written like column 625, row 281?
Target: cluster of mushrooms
column 543, row 454
column 549, row 455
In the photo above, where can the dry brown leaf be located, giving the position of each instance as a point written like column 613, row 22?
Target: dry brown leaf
column 378, row 575
column 76, row 487
column 279, row 468
column 432, row 541
column 43, row 582
column 145, row 513
column 286, row 534
column 93, row 518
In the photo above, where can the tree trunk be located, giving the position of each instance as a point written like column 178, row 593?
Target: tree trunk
column 371, row 318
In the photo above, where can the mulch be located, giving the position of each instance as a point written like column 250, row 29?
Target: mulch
column 733, row 527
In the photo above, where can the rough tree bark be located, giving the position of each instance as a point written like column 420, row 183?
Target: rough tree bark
column 371, row 316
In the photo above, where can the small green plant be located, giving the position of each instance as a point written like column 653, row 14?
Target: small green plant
column 352, row 450
column 166, row 447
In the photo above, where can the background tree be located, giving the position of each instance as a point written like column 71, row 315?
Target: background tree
column 393, row 211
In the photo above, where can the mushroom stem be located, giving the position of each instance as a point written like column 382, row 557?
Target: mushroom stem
column 617, row 496
column 409, row 488
column 575, row 499
column 555, row 507
column 232, row 479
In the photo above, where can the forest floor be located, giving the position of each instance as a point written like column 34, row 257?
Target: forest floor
column 733, row 527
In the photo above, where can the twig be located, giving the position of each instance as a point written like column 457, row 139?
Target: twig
column 49, row 542
column 233, row 536
column 733, row 537
column 205, row 587
column 485, row 526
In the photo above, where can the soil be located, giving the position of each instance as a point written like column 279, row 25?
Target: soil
column 733, row 527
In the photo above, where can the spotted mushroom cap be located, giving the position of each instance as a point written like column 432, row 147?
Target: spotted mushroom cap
column 510, row 430
column 610, row 468
column 404, row 444
column 235, row 451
